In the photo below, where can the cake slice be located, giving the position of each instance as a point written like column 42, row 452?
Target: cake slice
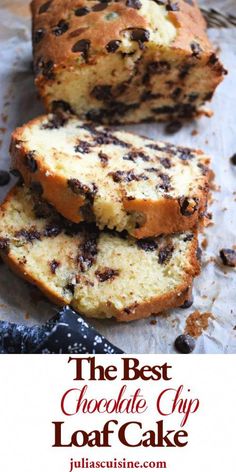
column 124, row 61
column 101, row 274
column 117, row 179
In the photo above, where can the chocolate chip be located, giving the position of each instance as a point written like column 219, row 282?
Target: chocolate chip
column 106, row 274
column 187, row 303
column 52, row 230
column 100, row 6
column 173, row 127
column 56, row 121
column 199, row 254
column 233, row 160
column 113, row 45
column 30, row 161
column 102, row 92
column 83, row 46
column 60, row 28
column 184, row 70
column 47, row 69
column 81, row 189
column 134, row 155
column 88, row 251
column 4, row 245
column 136, row 4
column 139, row 34
column 171, row 6
column 82, row 11
column 193, row 96
column 176, row 93
column 196, row 49
column 147, row 244
column 188, row 206
column 83, row 147
column 38, row 35
column 70, row 287
column 127, row 176
column 45, row 7
column 165, row 254
column 36, row 188
column 208, row 96
column 103, row 158
column 165, row 182
column 213, row 59
column 165, row 162
column 28, row 234
column 54, row 265
column 188, row 237
column 185, row 344
column 61, row 105
column 4, row 178
column 42, row 209
column 16, row 173
column 228, row 257
column 158, row 67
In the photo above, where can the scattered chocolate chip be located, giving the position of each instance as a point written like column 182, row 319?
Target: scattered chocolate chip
column 54, row 265
column 30, row 161
column 82, row 46
column 171, row 6
column 165, row 162
column 187, row 303
column 103, row 158
column 45, row 7
column 82, row 11
column 4, row 245
column 88, row 251
column 28, row 234
column 188, row 206
column 233, row 160
column 81, row 189
column 185, row 344
column 60, row 28
column 61, row 105
column 4, row 178
column 106, row 274
column 100, row 6
column 136, row 4
column 196, row 49
column 165, row 254
column 147, row 244
column 83, row 147
column 139, row 34
column 16, row 173
column 38, row 35
column 134, row 155
column 127, row 176
column 36, row 188
column 102, row 92
column 52, row 230
column 113, row 45
column 228, row 257
column 173, row 127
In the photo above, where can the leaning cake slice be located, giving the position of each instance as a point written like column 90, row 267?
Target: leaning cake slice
column 117, row 179
column 124, row 61
column 101, row 274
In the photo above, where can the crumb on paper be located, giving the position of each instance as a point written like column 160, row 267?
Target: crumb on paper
column 153, row 322
column 197, row 322
column 194, row 132
column 204, row 243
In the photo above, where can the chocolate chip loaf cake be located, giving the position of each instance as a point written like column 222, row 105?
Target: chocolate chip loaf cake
column 101, row 274
column 123, row 61
column 117, row 179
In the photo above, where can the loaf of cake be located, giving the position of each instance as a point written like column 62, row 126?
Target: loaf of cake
column 124, row 61
column 101, row 274
column 117, row 179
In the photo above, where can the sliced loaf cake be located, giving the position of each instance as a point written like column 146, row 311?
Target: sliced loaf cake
column 117, row 179
column 124, row 61
column 101, row 274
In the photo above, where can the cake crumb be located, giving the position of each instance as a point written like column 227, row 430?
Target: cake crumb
column 204, row 243
column 194, row 132
column 197, row 322
column 153, row 322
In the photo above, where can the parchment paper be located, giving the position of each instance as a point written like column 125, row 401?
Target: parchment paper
column 215, row 288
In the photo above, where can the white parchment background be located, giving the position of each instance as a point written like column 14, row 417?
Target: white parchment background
column 215, row 289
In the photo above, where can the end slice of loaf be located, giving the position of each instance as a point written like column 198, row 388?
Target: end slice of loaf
column 117, row 179
column 101, row 274
column 124, row 61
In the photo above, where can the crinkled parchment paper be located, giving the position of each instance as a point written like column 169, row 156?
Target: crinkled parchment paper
column 215, row 289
